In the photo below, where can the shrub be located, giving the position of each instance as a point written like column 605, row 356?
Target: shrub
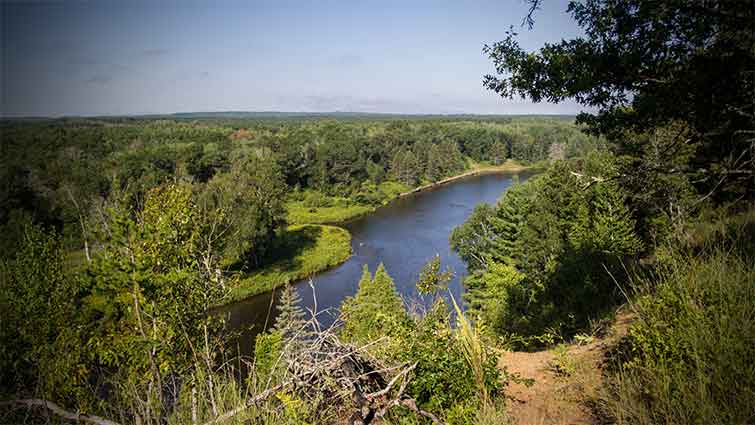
column 688, row 358
column 315, row 199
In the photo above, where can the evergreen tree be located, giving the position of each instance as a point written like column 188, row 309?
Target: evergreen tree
column 375, row 310
column 433, row 167
column 290, row 321
column 508, row 221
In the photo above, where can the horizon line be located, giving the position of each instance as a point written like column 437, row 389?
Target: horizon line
column 274, row 112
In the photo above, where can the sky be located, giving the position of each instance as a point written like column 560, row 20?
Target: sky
column 132, row 57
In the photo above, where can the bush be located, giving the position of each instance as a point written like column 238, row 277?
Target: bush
column 317, row 200
column 450, row 378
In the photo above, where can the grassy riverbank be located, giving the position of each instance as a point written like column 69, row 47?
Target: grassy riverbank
column 304, row 250
column 332, row 210
column 309, row 246
column 478, row 168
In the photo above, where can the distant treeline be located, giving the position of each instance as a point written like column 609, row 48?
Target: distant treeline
column 57, row 172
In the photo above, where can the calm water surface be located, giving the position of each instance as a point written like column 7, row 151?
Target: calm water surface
column 403, row 235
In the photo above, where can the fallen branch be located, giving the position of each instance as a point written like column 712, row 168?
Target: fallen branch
column 385, row 390
column 59, row 411
column 264, row 395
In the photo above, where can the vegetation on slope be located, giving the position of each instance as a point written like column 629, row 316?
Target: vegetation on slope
column 687, row 358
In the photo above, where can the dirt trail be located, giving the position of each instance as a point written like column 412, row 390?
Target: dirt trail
column 565, row 379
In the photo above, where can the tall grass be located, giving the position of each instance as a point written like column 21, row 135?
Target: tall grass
column 476, row 353
column 690, row 356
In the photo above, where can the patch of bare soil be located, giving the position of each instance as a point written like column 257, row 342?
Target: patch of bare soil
column 563, row 381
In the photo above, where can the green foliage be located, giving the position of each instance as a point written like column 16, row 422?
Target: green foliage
column 687, row 358
column 131, row 321
column 644, row 65
column 245, row 205
column 268, row 363
column 108, row 313
column 298, row 252
column 446, row 376
column 376, row 310
column 290, row 320
column 544, row 260
column 340, row 209
column 491, row 291
column 38, row 303
column 431, row 279
column 316, row 199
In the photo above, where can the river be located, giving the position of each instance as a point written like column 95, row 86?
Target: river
column 403, row 236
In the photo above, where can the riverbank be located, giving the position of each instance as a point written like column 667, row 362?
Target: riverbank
column 339, row 209
column 507, row 167
column 317, row 243
column 307, row 250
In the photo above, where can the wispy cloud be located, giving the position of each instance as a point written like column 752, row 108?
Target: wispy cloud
column 323, row 103
column 100, row 79
column 153, row 53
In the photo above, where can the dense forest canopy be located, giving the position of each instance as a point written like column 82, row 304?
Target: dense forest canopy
column 56, row 171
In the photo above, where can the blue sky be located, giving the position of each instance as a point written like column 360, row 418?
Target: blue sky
column 132, row 57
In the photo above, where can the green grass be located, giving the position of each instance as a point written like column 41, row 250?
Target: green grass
column 338, row 209
column 392, row 190
column 689, row 356
column 342, row 209
column 302, row 251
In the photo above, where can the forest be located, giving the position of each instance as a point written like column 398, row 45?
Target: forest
column 633, row 239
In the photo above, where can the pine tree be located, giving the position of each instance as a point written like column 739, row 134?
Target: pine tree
column 612, row 223
column 433, row 171
column 375, row 310
column 290, row 322
column 509, row 219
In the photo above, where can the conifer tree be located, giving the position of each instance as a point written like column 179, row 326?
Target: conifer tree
column 498, row 153
column 509, row 218
column 375, row 310
column 290, row 322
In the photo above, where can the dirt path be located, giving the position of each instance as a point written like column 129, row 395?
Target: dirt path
column 565, row 379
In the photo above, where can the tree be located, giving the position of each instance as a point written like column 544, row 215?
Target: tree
column 433, row 167
column 405, row 167
column 133, row 324
column 375, row 310
column 645, row 64
column 498, row 153
column 431, row 279
column 290, row 321
column 473, row 239
column 244, row 208
column 539, row 259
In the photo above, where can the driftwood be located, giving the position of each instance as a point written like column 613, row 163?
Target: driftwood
column 59, row 411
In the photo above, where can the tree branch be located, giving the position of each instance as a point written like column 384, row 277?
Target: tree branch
column 59, row 411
